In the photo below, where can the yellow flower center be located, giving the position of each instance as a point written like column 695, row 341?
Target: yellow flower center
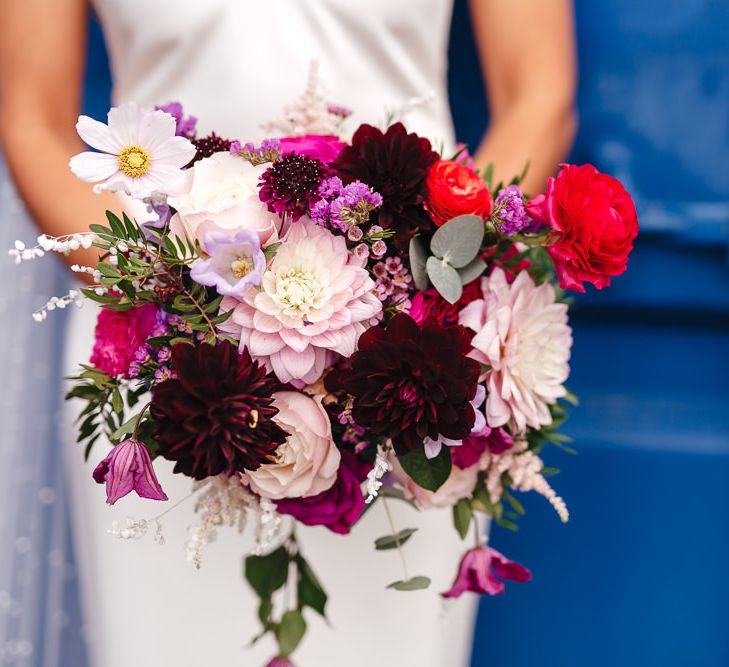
column 134, row 161
column 242, row 266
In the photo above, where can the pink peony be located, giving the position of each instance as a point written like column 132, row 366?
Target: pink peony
column 307, row 462
column 322, row 147
column 315, row 300
column 128, row 468
column 478, row 571
column 337, row 508
column 119, row 335
column 523, row 335
column 222, row 195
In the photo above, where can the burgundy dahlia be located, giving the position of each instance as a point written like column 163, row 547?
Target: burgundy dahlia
column 290, row 185
column 396, row 164
column 216, row 416
column 409, row 383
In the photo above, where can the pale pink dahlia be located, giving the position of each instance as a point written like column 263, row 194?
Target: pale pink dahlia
column 314, row 300
column 523, row 335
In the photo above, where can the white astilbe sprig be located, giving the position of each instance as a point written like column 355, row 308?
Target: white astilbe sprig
column 223, row 501
column 525, row 471
column 75, row 297
column 268, row 526
column 374, row 476
column 310, row 114
column 60, row 244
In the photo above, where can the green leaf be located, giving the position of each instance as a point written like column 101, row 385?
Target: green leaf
column 393, row 541
column 290, row 631
column 518, row 507
column 418, row 258
column 117, row 404
column 116, row 225
column 458, row 240
column 462, row 514
column 125, row 429
column 310, row 591
column 264, row 611
column 108, row 270
column 270, row 250
column 472, row 270
column 444, row 278
column 267, row 574
column 412, row 584
column 132, row 229
column 488, row 175
column 432, row 473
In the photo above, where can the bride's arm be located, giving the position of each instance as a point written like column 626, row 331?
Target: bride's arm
column 527, row 53
column 42, row 52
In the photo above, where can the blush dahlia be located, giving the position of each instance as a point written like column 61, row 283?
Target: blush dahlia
column 216, row 416
column 409, row 383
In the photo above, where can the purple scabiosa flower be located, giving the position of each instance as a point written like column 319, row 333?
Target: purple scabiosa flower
column 509, row 215
column 127, row 468
column 234, row 262
column 207, row 146
column 290, row 185
column 186, row 127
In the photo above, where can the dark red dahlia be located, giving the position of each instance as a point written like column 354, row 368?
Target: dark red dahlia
column 216, row 416
column 206, row 146
column 291, row 183
column 409, row 383
column 396, row 164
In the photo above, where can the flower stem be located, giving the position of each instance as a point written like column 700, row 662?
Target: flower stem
column 139, row 420
column 397, row 542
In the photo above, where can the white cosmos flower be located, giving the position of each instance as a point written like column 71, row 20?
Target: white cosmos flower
column 139, row 152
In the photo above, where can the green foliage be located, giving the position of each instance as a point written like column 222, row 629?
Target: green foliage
column 462, row 515
column 394, row 541
column 290, row 631
column 432, row 473
column 267, row 574
column 413, row 584
column 310, row 591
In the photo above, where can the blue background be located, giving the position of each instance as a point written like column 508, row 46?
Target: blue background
column 639, row 575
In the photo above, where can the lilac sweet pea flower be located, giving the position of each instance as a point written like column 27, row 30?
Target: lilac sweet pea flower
column 128, row 468
column 478, row 571
column 432, row 447
column 235, row 261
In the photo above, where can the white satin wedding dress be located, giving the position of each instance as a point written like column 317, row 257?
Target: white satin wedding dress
column 236, row 64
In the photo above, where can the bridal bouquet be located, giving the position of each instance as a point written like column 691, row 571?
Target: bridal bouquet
column 312, row 324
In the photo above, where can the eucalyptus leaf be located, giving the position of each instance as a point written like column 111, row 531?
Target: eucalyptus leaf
column 432, row 473
column 445, row 279
column 418, row 258
column 393, row 541
column 458, row 240
column 472, row 270
column 290, row 631
column 412, row 584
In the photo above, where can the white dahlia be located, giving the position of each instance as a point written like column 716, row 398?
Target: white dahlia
column 524, row 336
column 315, row 299
column 138, row 152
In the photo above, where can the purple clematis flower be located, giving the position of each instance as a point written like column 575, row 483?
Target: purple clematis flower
column 235, row 261
column 479, row 570
column 128, row 468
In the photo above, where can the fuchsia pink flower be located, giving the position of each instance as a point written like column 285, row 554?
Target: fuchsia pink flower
column 479, row 570
column 278, row 661
column 320, row 146
column 127, row 468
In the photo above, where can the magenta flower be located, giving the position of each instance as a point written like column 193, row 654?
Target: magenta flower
column 478, row 571
column 322, row 147
column 235, row 261
column 128, row 468
column 278, row 661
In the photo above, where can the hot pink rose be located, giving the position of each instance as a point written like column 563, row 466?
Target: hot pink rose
column 119, row 335
column 322, row 147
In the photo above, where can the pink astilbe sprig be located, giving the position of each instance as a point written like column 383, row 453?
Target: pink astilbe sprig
column 524, row 468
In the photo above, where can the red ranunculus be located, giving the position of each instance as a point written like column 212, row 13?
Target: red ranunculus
column 597, row 221
column 454, row 189
column 119, row 334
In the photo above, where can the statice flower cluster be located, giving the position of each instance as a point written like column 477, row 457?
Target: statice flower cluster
column 268, row 151
column 345, row 208
column 509, row 215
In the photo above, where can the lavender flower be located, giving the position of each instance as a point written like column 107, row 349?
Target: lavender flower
column 510, row 216
column 127, row 468
column 186, row 127
column 234, row 262
column 268, row 151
